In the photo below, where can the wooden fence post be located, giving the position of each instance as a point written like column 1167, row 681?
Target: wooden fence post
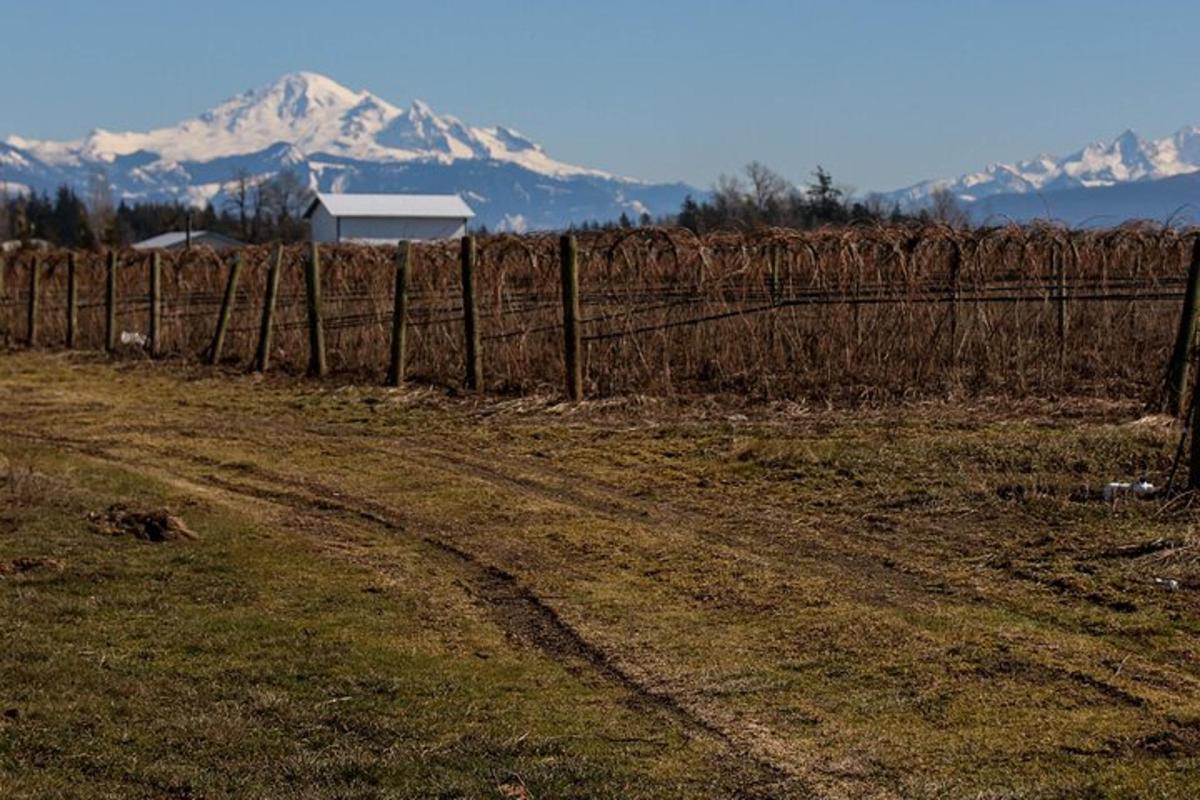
column 155, row 303
column 1061, row 279
column 1181, row 354
column 395, row 375
column 474, row 376
column 110, row 303
column 569, row 257
column 3, row 301
column 955, row 301
column 72, row 299
column 4, row 308
column 1193, row 415
column 776, row 286
column 31, row 323
column 218, row 342
column 262, row 358
column 317, row 366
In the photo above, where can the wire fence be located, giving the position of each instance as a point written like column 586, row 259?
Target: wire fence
column 861, row 313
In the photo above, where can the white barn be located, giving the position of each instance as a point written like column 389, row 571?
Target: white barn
column 387, row 218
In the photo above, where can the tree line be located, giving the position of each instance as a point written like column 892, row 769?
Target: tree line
column 256, row 209
column 263, row 209
column 761, row 197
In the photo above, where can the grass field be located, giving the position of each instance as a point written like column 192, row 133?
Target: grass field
column 400, row 594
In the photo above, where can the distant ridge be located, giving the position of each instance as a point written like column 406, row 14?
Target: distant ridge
column 1104, row 183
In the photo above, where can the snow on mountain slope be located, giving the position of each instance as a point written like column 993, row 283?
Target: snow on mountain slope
column 315, row 114
column 337, row 139
column 1126, row 159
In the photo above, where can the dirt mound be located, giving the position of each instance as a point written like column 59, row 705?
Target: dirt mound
column 151, row 525
column 20, row 565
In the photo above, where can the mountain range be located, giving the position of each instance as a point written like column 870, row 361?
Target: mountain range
column 1102, row 184
column 337, row 139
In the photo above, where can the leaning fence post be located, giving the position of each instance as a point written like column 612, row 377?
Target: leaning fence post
column 1181, row 354
column 317, row 367
column 72, row 299
column 31, row 324
column 395, row 375
column 155, row 303
column 110, row 302
column 263, row 356
column 218, row 342
column 474, row 376
column 570, row 300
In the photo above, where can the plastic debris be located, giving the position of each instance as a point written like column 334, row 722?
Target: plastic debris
column 1170, row 584
column 130, row 337
column 1115, row 489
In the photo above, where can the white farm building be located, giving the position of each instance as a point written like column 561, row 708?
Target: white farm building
column 387, row 218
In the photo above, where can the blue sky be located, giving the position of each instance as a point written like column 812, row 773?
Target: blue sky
column 880, row 93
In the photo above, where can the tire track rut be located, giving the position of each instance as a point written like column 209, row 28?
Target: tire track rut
column 513, row 606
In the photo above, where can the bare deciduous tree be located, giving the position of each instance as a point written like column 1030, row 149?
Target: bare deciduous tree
column 286, row 195
column 767, row 187
column 239, row 195
column 945, row 207
column 101, row 215
column 5, row 227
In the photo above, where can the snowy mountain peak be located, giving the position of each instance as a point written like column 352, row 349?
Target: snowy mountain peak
column 317, row 115
column 1126, row 158
column 334, row 138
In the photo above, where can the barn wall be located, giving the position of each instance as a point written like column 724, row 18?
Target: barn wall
column 323, row 225
column 381, row 230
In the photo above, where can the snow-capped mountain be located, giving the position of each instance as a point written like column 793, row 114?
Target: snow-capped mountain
column 336, row 139
column 1068, row 187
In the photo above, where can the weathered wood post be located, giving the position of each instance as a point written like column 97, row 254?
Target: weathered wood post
column 1060, row 273
column 3, row 300
column 955, row 301
column 474, row 366
column 1181, row 354
column 1190, row 426
column 317, row 367
column 262, row 358
column 776, row 286
column 110, row 302
column 31, row 322
column 155, row 342
column 569, row 256
column 227, row 302
column 72, row 299
column 395, row 375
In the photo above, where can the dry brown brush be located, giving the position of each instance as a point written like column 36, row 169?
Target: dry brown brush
column 859, row 313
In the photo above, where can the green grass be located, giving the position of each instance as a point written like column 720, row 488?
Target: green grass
column 249, row 664
column 921, row 601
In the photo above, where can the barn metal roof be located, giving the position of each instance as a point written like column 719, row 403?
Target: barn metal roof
column 393, row 205
column 179, row 238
